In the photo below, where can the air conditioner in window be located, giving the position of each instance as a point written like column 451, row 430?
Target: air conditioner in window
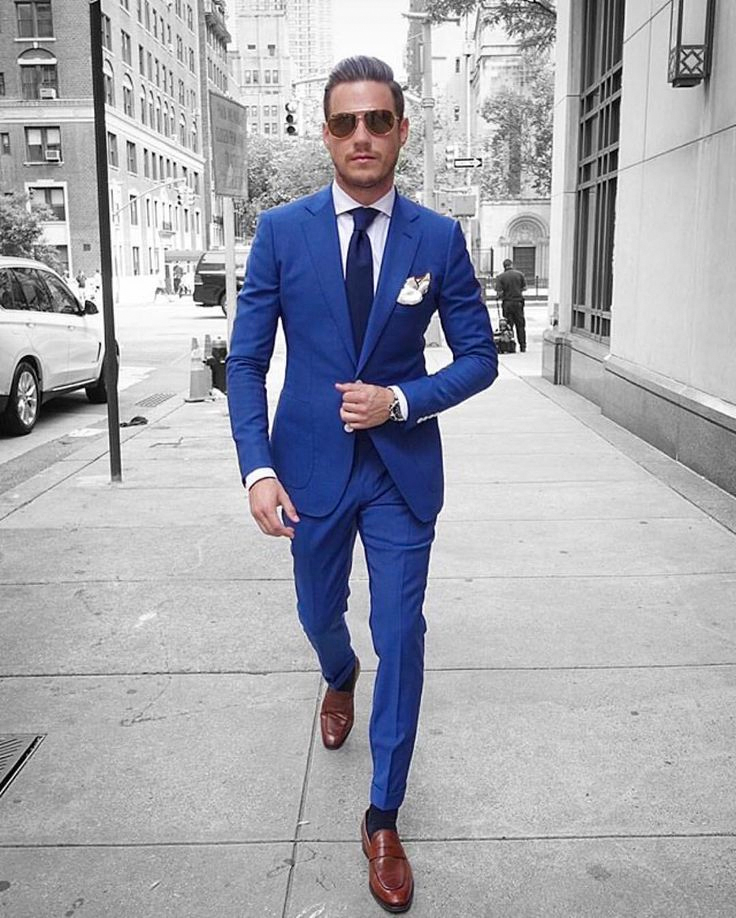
column 46, row 92
column 53, row 156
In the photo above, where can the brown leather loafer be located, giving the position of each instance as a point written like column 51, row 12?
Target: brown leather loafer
column 389, row 872
column 337, row 714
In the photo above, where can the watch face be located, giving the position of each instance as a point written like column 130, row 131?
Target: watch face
column 395, row 411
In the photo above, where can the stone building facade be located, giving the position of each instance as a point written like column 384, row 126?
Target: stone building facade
column 643, row 227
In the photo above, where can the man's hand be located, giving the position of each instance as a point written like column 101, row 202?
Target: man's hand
column 364, row 405
column 265, row 497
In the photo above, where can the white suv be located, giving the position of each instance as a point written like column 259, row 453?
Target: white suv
column 49, row 343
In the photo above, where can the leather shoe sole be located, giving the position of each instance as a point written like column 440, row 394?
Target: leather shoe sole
column 390, row 878
column 337, row 714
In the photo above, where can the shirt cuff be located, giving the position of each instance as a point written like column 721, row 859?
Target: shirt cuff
column 403, row 404
column 256, row 475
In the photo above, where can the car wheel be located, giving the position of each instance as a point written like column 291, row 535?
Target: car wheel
column 223, row 303
column 24, row 403
column 97, row 393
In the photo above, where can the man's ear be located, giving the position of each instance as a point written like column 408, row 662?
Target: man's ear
column 403, row 131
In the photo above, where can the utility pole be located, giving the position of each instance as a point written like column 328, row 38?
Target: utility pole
column 428, row 109
column 110, row 365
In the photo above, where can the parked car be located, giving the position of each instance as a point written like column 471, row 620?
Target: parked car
column 50, row 343
column 209, row 276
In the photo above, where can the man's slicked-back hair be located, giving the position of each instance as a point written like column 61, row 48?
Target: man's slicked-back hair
column 359, row 69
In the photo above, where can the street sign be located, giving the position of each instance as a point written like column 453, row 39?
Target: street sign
column 229, row 165
column 470, row 162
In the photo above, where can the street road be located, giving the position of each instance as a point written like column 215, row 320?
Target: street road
column 155, row 343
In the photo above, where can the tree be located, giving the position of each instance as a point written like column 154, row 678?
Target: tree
column 21, row 230
column 282, row 169
column 531, row 22
column 518, row 155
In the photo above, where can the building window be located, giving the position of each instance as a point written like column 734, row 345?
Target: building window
column 43, row 144
column 177, row 8
column 151, row 111
column 275, row 76
column 131, row 155
column 139, row 10
column 133, row 208
column 136, row 260
column 146, row 164
column 112, row 149
column 125, row 47
column 38, row 78
column 181, row 92
column 597, row 178
column 109, row 84
column 179, row 49
column 34, row 20
column 272, row 50
column 191, row 60
column 190, row 18
column 154, row 166
column 5, row 144
column 143, row 107
column 106, row 32
column 51, row 198
column 128, row 97
column 182, row 131
column 125, row 4
column 148, row 212
column 149, row 65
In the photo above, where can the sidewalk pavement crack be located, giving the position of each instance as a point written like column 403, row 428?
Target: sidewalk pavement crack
column 303, row 798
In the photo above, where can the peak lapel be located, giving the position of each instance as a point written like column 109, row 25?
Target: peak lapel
column 320, row 233
column 401, row 245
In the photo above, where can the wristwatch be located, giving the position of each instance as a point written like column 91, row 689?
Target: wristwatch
column 394, row 410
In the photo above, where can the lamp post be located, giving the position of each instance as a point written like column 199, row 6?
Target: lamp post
column 691, row 40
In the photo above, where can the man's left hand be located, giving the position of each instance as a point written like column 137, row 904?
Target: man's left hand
column 363, row 405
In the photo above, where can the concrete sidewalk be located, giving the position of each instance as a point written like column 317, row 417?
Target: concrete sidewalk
column 576, row 748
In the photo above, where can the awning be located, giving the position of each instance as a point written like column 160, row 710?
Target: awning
column 182, row 254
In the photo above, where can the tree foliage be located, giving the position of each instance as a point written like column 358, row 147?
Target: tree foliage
column 21, row 230
column 518, row 155
column 531, row 22
column 282, row 169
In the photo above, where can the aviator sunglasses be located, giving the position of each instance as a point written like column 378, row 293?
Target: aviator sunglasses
column 378, row 121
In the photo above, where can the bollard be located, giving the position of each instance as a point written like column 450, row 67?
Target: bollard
column 199, row 378
column 216, row 363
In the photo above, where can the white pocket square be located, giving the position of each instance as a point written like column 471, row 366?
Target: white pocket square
column 412, row 293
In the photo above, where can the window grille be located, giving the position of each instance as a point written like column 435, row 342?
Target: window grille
column 600, row 101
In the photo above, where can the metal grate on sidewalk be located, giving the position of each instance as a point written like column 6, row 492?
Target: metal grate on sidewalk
column 15, row 750
column 151, row 401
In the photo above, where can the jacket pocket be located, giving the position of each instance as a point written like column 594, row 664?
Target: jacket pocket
column 292, row 443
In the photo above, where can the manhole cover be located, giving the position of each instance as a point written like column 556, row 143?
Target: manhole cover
column 15, row 750
column 150, row 401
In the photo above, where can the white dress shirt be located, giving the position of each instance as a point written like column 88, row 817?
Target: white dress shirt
column 377, row 233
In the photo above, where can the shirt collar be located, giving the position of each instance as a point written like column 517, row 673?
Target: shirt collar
column 343, row 202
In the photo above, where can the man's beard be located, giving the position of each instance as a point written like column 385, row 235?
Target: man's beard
column 369, row 182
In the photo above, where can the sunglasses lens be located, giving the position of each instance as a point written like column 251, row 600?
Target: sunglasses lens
column 342, row 124
column 379, row 121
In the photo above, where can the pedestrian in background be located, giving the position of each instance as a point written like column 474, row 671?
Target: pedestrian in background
column 510, row 287
column 355, row 445
column 81, row 280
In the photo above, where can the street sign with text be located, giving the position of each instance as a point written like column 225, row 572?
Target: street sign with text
column 469, row 162
column 229, row 164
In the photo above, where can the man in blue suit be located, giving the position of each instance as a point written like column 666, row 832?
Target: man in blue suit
column 354, row 273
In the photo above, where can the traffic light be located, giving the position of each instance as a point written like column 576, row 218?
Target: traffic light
column 179, row 197
column 290, row 119
column 450, row 154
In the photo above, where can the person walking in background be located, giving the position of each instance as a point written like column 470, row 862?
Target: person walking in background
column 510, row 287
column 177, row 273
column 81, row 280
column 354, row 273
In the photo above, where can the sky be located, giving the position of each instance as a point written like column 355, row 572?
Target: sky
column 374, row 27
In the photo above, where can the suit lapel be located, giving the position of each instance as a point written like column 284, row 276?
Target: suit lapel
column 323, row 244
column 398, row 255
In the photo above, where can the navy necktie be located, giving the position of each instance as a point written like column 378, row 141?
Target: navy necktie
column 359, row 273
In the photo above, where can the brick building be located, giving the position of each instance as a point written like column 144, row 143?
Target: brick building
column 153, row 121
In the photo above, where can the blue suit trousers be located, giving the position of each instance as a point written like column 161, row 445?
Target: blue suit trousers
column 397, row 547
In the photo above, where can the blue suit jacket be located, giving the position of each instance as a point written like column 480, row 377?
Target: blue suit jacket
column 295, row 274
